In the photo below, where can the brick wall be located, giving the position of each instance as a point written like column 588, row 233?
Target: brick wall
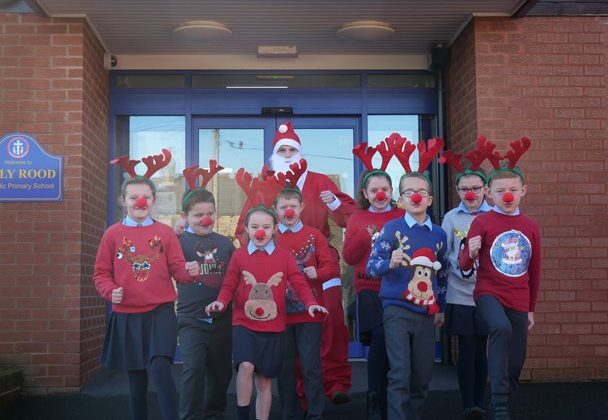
column 546, row 78
column 52, row 86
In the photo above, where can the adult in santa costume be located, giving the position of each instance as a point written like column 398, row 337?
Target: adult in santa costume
column 323, row 199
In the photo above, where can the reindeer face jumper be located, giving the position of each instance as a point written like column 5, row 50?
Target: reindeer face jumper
column 257, row 281
column 419, row 284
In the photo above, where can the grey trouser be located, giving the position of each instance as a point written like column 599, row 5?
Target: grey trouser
column 207, row 367
column 302, row 341
column 410, row 347
column 508, row 337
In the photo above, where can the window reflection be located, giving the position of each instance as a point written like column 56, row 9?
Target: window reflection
column 382, row 126
column 233, row 149
column 148, row 135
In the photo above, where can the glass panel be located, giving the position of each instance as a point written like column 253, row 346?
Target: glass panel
column 382, row 126
column 233, row 149
column 145, row 136
column 151, row 81
column 400, row 81
column 276, row 81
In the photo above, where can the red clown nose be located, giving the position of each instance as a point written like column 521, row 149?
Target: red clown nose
column 289, row 213
column 141, row 203
column 381, row 196
column 469, row 196
column 206, row 221
column 508, row 197
column 260, row 234
column 416, row 198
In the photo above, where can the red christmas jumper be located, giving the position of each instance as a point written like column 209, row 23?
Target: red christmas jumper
column 316, row 211
column 263, row 267
column 358, row 244
column 142, row 261
column 506, row 241
column 310, row 249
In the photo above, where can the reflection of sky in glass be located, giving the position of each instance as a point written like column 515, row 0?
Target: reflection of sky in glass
column 149, row 135
column 382, row 126
column 329, row 151
column 232, row 148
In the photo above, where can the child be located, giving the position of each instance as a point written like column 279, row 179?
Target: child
column 257, row 279
column 302, row 338
column 462, row 317
column 205, row 343
column 507, row 245
column 409, row 254
column 376, row 208
column 135, row 262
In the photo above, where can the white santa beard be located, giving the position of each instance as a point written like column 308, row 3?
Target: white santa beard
column 281, row 164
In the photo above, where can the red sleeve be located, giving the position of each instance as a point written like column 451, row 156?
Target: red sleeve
column 239, row 232
column 326, row 265
column 534, row 269
column 231, row 281
column 347, row 207
column 103, row 272
column 176, row 263
column 298, row 282
column 466, row 263
column 357, row 241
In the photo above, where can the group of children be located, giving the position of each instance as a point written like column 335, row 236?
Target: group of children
column 261, row 306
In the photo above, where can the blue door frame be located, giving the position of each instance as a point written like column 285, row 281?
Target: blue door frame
column 313, row 108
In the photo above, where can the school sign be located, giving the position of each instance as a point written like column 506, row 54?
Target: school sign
column 27, row 172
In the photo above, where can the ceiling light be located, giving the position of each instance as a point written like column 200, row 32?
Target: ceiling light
column 366, row 30
column 202, row 30
column 277, row 51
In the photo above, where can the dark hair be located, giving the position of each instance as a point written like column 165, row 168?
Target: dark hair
column 137, row 180
column 195, row 196
column 288, row 193
column 419, row 175
column 363, row 202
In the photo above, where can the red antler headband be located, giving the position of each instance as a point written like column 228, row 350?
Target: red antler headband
column 260, row 192
column 484, row 150
column 192, row 174
column 153, row 162
column 518, row 148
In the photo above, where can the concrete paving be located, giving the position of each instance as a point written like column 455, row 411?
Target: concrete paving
column 105, row 397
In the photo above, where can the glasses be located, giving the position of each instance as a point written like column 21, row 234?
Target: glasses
column 475, row 189
column 408, row 193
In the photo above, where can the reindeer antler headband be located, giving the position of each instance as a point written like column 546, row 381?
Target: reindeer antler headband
column 510, row 159
column 192, row 174
column 484, row 150
column 260, row 192
column 153, row 162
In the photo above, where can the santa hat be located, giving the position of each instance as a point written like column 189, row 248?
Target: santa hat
column 286, row 136
column 426, row 258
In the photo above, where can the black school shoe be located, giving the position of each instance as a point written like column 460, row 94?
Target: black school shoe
column 500, row 411
column 340, row 397
column 474, row 413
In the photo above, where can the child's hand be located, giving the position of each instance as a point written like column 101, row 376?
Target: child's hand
column 193, row 268
column 215, row 306
column 117, row 295
column 439, row 319
column 327, row 197
column 180, row 226
column 530, row 320
column 310, row 272
column 474, row 247
column 316, row 308
column 396, row 258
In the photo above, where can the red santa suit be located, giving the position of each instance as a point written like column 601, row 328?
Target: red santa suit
column 334, row 339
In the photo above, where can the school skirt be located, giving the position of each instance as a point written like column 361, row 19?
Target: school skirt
column 132, row 340
column 370, row 310
column 464, row 320
column 261, row 349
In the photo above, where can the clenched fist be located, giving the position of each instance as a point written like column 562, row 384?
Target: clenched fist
column 117, row 295
column 474, row 247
